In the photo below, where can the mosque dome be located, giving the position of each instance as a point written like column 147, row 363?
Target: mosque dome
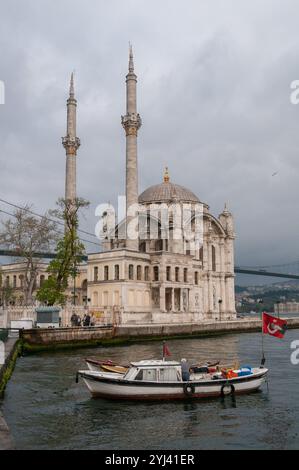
column 167, row 192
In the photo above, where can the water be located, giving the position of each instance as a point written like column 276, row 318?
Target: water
column 46, row 409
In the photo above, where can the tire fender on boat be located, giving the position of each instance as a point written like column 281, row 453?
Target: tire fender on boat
column 227, row 389
column 189, row 389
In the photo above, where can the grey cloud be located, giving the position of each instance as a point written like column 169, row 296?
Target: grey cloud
column 213, row 92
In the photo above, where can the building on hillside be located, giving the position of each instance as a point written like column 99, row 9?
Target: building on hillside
column 13, row 286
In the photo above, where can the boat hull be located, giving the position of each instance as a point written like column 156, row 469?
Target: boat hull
column 111, row 388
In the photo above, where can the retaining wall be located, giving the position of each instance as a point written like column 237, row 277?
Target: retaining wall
column 69, row 337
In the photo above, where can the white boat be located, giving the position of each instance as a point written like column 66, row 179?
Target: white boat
column 162, row 380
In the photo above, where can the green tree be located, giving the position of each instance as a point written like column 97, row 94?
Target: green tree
column 6, row 295
column 69, row 253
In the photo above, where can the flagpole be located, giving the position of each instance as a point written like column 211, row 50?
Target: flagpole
column 263, row 350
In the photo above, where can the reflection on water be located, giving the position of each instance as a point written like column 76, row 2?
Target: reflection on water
column 46, row 409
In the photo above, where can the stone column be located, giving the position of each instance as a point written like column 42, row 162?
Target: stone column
column 181, row 300
column 223, row 305
column 172, row 299
column 162, row 299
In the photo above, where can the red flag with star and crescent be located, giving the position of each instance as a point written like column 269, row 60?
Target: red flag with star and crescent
column 274, row 326
column 166, row 351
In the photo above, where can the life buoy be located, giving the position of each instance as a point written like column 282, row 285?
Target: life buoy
column 227, row 389
column 189, row 389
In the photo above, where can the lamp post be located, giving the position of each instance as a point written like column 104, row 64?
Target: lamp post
column 260, row 311
column 220, row 310
column 277, row 303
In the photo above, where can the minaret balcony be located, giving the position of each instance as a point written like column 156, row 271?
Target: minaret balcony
column 131, row 120
column 71, row 142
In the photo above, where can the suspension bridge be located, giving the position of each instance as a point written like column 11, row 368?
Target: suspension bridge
column 270, row 271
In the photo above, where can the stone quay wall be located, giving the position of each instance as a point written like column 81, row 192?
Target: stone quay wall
column 38, row 339
column 9, row 353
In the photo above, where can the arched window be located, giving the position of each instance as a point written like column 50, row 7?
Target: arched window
column 131, row 272
column 196, row 277
column 168, row 273
column 146, row 273
column 156, row 273
column 185, row 275
column 201, row 254
column 21, row 277
column 7, row 281
column 138, row 273
column 106, row 273
column 116, row 272
column 96, row 273
column 15, row 281
column 213, row 258
column 177, row 274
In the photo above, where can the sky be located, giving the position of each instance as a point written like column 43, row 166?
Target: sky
column 213, row 93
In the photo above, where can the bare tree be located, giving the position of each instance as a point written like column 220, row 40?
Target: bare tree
column 28, row 235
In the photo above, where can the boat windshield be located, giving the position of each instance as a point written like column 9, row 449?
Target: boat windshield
column 148, row 375
column 167, row 374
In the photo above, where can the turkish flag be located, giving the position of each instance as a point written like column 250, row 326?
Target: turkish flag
column 274, row 326
column 166, row 351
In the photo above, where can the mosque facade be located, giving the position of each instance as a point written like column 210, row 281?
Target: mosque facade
column 170, row 259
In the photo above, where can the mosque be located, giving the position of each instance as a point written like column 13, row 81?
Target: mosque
column 170, row 259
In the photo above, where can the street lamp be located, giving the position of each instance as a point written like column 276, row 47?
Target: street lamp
column 220, row 303
column 260, row 301
column 277, row 303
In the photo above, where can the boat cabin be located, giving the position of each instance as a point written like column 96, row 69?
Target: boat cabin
column 155, row 371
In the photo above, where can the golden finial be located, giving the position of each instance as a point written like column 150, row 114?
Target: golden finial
column 166, row 175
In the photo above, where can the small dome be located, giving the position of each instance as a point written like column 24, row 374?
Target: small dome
column 167, row 192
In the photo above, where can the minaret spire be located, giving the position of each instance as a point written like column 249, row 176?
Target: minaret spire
column 71, row 144
column 166, row 177
column 131, row 123
column 131, row 58
column 72, row 88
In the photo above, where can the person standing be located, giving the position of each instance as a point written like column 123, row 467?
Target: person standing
column 185, row 370
column 74, row 319
column 86, row 321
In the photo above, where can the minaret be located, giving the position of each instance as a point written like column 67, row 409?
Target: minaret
column 131, row 123
column 71, row 144
column 166, row 177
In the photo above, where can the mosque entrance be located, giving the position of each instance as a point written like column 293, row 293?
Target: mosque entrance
column 177, row 300
column 168, row 299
